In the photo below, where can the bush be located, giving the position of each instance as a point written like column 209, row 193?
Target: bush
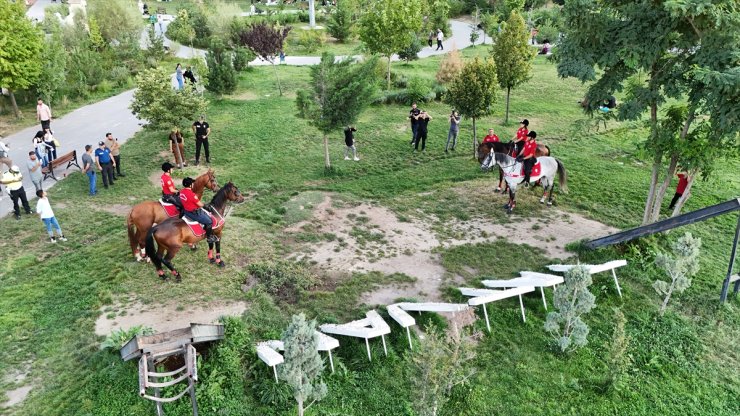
column 283, row 279
column 548, row 31
column 242, row 58
column 303, row 16
column 458, row 8
column 412, row 51
column 120, row 76
column 340, row 22
column 572, row 300
column 418, row 90
column 311, row 40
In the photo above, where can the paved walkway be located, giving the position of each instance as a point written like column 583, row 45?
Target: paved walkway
column 36, row 11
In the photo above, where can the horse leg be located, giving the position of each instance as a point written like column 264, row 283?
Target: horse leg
column 552, row 193
column 167, row 261
column 512, row 201
column 544, row 191
column 219, row 262
column 500, row 179
column 193, row 247
column 160, row 272
column 211, row 259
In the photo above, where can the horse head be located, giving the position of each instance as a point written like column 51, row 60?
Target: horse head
column 212, row 184
column 233, row 194
column 487, row 161
column 484, row 149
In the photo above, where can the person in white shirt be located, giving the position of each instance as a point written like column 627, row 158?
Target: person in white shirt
column 5, row 155
column 440, row 37
column 43, row 208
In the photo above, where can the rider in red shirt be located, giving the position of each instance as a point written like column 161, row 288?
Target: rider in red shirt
column 683, row 181
column 521, row 137
column 169, row 191
column 491, row 138
column 530, row 147
column 192, row 205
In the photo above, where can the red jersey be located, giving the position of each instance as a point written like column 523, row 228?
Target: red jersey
column 189, row 200
column 166, row 181
column 682, row 182
column 530, row 147
column 491, row 138
column 521, row 134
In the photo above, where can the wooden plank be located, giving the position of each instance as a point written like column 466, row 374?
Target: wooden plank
column 400, row 316
column 501, row 294
column 433, row 307
column 524, row 281
column 269, row 356
column 549, row 279
column 474, row 292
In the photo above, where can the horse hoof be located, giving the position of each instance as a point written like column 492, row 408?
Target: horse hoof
column 178, row 278
column 221, row 264
column 542, row 201
column 212, row 260
column 148, row 260
column 549, row 204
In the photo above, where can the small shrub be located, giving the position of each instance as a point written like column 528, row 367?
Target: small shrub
column 418, row 90
column 680, row 267
column 617, row 359
column 120, row 76
column 411, row 52
column 242, row 58
column 547, row 32
column 311, row 40
column 104, row 86
column 283, row 279
column 119, row 337
column 572, row 300
column 450, row 66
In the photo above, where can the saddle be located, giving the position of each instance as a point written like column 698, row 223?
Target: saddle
column 197, row 228
column 170, row 209
column 536, row 172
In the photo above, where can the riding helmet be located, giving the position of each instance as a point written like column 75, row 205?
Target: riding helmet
column 525, row 122
column 187, row 182
column 532, row 134
column 167, row 166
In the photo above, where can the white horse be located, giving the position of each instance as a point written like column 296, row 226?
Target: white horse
column 549, row 166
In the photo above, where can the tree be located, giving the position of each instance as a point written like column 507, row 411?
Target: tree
column 411, row 52
column 572, row 300
column 473, row 91
column 266, row 41
column 96, row 37
column 163, row 106
column 450, row 66
column 221, row 73
column 341, row 91
column 513, row 56
column 681, row 46
column 155, row 49
column 340, row 22
column 20, row 50
column 53, row 68
column 116, row 19
column 387, row 26
column 303, row 364
column 680, row 267
column 441, row 363
column 439, row 17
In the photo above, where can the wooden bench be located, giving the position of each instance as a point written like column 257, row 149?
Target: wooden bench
column 69, row 158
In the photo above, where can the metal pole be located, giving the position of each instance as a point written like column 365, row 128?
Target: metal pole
column 544, row 301
column 331, row 362
column 485, row 313
column 521, row 305
column 193, row 402
column 616, row 282
column 408, row 334
column 367, row 345
column 726, row 283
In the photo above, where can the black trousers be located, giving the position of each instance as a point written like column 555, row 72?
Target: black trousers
column 15, row 196
column 198, row 144
column 118, row 165
column 421, row 135
column 674, row 200
column 439, row 45
column 107, row 173
column 528, row 164
column 45, row 124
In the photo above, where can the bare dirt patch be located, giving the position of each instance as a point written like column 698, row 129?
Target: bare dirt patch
column 115, row 209
column 369, row 237
column 165, row 317
column 244, row 96
column 16, row 396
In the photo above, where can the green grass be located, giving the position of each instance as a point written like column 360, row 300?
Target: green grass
column 683, row 363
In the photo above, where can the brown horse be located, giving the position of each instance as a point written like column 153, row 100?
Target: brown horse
column 144, row 215
column 173, row 233
column 484, row 149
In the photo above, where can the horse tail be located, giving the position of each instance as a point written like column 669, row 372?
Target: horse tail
column 562, row 177
column 131, row 227
column 151, row 250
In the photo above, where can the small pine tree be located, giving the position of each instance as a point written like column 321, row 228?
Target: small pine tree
column 680, row 267
column 303, row 364
column 617, row 359
column 221, row 73
column 96, row 38
column 572, row 300
column 411, row 53
column 340, row 23
column 242, row 58
column 450, row 66
column 156, row 50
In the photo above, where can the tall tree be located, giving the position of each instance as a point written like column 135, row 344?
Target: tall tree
column 20, row 50
column 388, row 26
column 340, row 22
column 53, row 68
column 682, row 48
column 221, row 73
column 473, row 92
column 266, row 41
column 513, row 56
column 303, row 364
column 341, row 91
column 117, row 19
column 163, row 106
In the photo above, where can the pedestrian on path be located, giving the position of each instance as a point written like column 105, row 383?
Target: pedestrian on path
column 34, row 170
column 349, row 141
column 178, row 147
column 413, row 114
column 430, row 39
column 454, row 130
column 40, row 147
column 51, row 145
column 105, row 164
column 43, row 208
column 13, row 180
column 87, row 169
column 115, row 151
column 440, row 37
column 43, row 114
column 5, row 155
column 190, row 76
column 202, row 130
column 180, row 77
column 421, row 131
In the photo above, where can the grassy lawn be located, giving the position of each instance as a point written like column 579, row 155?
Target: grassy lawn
column 682, row 363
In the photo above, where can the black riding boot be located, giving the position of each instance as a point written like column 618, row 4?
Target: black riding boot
column 209, row 234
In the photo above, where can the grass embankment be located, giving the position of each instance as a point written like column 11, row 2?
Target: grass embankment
column 683, row 363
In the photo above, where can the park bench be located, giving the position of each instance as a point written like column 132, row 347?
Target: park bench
column 69, row 158
column 484, row 296
column 398, row 311
column 372, row 326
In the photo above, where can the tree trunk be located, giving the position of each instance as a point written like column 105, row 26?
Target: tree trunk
column 311, row 14
column 657, row 162
column 300, row 407
column 280, row 89
column 508, row 93
column 685, row 197
column 475, row 142
column 389, row 73
column 327, row 161
column 16, row 111
column 660, row 193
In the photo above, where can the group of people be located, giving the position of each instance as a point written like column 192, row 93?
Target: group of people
column 439, row 36
column 107, row 159
column 181, row 76
column 202, row 131
column 187, row 201
column 524, row 147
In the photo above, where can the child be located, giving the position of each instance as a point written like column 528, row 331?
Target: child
column 47, row 216
column 683, row 181
column 349, row 140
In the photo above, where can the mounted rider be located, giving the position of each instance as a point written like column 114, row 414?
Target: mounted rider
column 192, row 206
column 521, row 137
column 527, row 155
column 170, row 193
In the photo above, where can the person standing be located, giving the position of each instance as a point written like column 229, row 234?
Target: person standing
column 430, row 39
column 683, row 181
column 521, row 137
column 454, row 130
column 190, row 76
column 5, row 155
column 192, row 206
column 528, row 151
column 202, row 130
column 43, row 208
column 34, row 170
column 51, row 145
column 105, row 164
column 40, row 147
column 349, row 141
column 178, row 147
column 179, row 76
column 87, row 169
column 43, row 114
column 13, row 181
column 115, row 151
column 440, row 38
column 421, row 131
column 413, row 114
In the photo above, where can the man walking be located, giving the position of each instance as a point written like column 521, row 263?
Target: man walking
column 115, row 151
column 43, row 114
column 87, row 168
column 413, row 116
column 440, row 37
column 105, row 163
column 13, row 180
column 34, row 170
column 202, row 130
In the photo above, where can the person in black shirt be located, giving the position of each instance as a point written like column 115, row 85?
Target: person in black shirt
column 202, row 131
column 423, row 120
column 413, row 116
column 189, row 76
column 349, row 140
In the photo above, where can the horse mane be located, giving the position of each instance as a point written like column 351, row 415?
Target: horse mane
column 502, row 158
column 219, row 199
